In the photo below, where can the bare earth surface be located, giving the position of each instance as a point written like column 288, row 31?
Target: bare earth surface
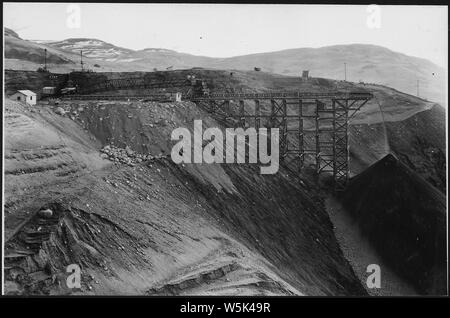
column 359, row 252
column 157, row 228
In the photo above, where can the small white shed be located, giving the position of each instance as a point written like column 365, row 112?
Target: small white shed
column 26, row 96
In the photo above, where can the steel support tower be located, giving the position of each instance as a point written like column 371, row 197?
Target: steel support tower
column 313, row 127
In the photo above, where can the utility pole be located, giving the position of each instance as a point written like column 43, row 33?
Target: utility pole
column 45, row 59
column 345, row 72
column 81, row 55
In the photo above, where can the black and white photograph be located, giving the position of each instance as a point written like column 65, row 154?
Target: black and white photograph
column 176, row 149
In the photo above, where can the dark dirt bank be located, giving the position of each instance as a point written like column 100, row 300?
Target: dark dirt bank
column 403, row 217
column 418, row 142
column 209, row 229
column 279, row 216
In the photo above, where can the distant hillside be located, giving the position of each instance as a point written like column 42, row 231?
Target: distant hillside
column 28, row 55
column 91, row 48
column 367, row 63
column 17, row 48
column 98, row 49
column 11, row 33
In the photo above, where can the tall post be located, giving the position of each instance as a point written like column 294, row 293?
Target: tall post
column 342, row 154
column 257, row 115
column 45, row 59
column 345, row 72
column 242, row 113
column 417, row 88
column 284, row 127
column 212, row 106
column 272, row 113
column 225, row 108
column 81, row 60
column 300, row 135
column 346, row 141
column 317, row 136
column 333, row 105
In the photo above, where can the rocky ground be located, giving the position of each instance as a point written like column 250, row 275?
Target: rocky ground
column 126, row 156
column 139, row 224
column 403, row 217
column 153, row 227
column 360, row 253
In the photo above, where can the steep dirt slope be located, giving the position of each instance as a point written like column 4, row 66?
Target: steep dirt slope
column 131, row 230
column 160, row 228
column 404, row 218
column 370, row 139
column 418, row 141
column 41, row 149
column 360, row 253
column 159, row 121
column 222, row 229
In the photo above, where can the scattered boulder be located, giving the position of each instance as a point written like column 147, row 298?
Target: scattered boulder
column 129, row 151
column 60, row 111
column 125, row 156
column 46, row 214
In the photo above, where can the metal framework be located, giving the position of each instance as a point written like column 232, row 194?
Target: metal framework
column 132, row 83
column 313, row 126
column 154, row 97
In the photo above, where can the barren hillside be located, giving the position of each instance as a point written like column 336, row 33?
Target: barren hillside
column 367, row 63
column 403, row 216
column 155, row 227
column 139, row 224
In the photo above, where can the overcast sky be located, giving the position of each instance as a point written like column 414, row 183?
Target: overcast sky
column 230, row 30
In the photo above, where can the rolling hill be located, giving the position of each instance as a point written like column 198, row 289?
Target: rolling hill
column 17, row 48
column 367, row 63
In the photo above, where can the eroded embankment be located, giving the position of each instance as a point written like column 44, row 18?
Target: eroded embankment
column 404, row 218
column 162, row 228
column 42, row 151
column 418, row 141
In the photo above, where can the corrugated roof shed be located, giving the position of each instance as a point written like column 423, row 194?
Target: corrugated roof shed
column 27, row 92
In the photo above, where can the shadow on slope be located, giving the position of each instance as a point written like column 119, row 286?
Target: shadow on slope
column 417, row 141
column 403, row 216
